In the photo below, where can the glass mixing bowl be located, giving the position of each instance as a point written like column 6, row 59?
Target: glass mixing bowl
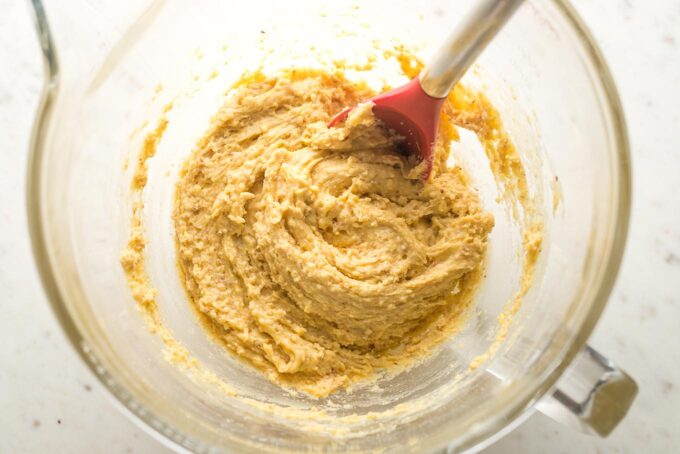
column 553, row 90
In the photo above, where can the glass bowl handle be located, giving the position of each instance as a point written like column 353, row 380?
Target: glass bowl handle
column 592, row 396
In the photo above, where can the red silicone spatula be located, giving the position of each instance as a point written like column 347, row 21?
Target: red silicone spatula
column 412, row 110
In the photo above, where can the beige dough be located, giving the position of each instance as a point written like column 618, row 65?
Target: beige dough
column 316, row 255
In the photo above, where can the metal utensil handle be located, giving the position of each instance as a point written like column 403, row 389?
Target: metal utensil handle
column 464, row 44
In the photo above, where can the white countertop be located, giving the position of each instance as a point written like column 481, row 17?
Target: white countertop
column 50, row 402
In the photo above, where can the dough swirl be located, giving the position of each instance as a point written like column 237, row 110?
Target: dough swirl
column 311, row 252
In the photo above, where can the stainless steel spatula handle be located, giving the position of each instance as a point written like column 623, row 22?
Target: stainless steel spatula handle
column 464, row 44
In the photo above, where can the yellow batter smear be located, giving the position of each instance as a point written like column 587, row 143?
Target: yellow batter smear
column 311, row 251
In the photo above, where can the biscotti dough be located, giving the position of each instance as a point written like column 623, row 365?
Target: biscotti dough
column 317, row 255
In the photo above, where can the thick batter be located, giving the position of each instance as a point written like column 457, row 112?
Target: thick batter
column 316, row 254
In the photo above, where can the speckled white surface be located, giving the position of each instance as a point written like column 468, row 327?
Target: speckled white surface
column 49, row 401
